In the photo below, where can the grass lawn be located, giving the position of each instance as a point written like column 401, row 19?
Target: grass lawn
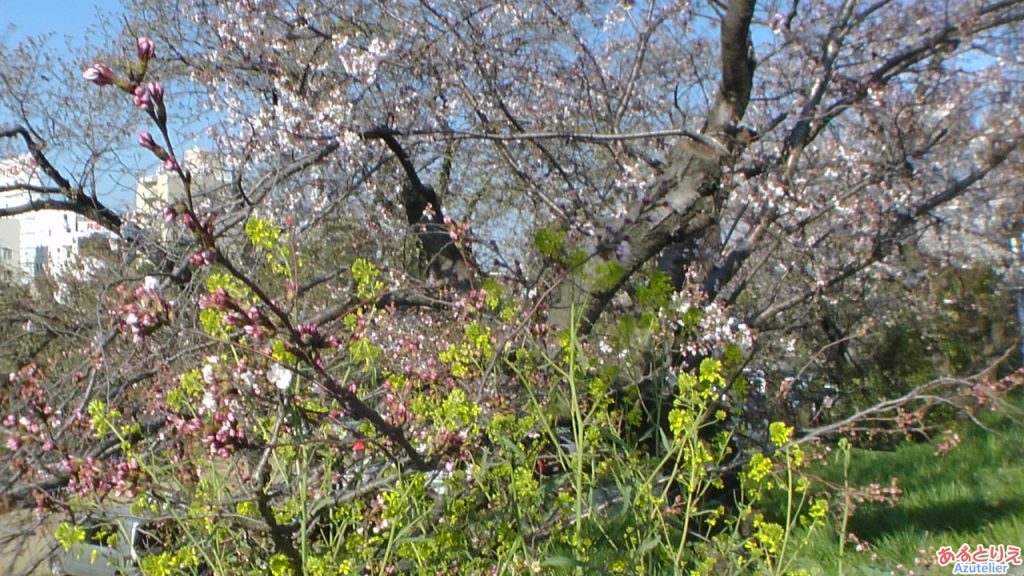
column 972, row 495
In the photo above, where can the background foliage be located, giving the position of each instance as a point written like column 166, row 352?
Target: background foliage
column 512, row 287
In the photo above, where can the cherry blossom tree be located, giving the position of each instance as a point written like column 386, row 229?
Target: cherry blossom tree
column 440, row 213
column 899, row 111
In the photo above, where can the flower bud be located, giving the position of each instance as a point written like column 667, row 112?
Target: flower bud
column 142, row 99
column 170, row 214
column 146, row 140
column 156, row 92
column 99, row 74
column 202, row 258
column 170, row 164
column 145, row 48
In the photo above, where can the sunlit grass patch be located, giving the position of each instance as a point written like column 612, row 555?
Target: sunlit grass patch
column 972, row 495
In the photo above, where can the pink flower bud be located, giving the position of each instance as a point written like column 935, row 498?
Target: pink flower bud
column 202, row 258
column 156, row 92
column 142, row 99
column 145, row 48
column 170, row 164
column 146, row 140
column 99, row 74
column 170, row 214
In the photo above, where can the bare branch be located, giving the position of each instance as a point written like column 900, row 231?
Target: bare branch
column 77, row 201
column 928, row 392
column 36, row 204
column 36, row 150
column 267, row 182
column 568, row 136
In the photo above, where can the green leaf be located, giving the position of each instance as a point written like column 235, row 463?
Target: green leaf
column 648, row 545
column 657, row 292
column 607, row 275
column 550, row 243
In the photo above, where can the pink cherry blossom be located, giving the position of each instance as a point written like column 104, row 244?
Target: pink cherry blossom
column 99, row 74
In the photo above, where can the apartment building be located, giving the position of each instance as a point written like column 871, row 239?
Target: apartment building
column 41, row 241
column 154, row 192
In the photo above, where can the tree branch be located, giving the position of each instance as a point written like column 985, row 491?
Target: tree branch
column 566, row 135
column 737, row 67
column 440, row 254
column 684, row 201
column 267, row 182
column 37, row 204
column 77, row 201
column 888, row 238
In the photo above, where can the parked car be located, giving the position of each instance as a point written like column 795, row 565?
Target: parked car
column 112, row 547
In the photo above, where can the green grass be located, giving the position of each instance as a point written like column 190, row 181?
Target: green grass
column 972, row 495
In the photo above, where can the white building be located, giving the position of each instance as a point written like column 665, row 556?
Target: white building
column 36, row 242
column 157, row 191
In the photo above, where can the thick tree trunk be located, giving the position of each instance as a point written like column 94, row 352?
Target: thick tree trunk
column 683, row 207
column 441, row 256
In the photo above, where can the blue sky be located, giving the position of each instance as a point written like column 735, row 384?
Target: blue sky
column 63, row 17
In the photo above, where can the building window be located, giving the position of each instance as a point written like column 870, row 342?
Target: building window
column 42, row 256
